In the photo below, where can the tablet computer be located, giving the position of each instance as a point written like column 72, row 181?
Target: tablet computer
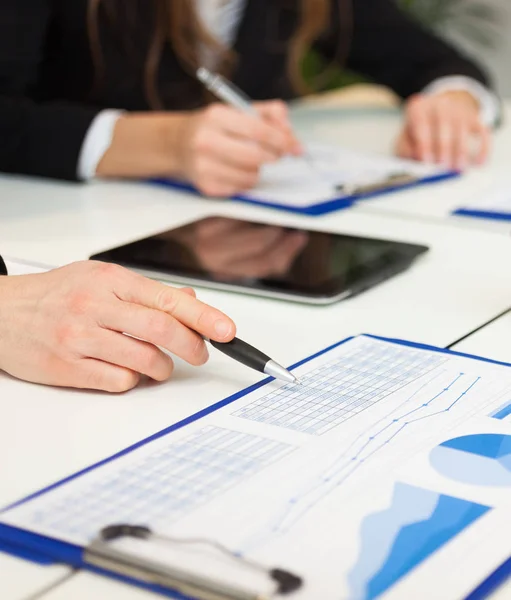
column 266, row 260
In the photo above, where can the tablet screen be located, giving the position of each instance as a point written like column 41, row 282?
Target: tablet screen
column 267, row 258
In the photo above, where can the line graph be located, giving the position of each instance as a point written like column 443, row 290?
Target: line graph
column 364, row 447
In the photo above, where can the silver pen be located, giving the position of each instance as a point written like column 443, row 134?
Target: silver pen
column 226, row 91
column 230, row 94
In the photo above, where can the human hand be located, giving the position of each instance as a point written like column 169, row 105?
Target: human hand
column 223, row 149
column 240, row 249
column 444, row 128
column 66, row 327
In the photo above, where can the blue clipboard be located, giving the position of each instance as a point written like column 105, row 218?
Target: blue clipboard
column 47, row 551
column 320, row 208
column 482, row 214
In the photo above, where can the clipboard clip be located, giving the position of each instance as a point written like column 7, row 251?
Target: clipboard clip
column 103, row 553
column 392, row 180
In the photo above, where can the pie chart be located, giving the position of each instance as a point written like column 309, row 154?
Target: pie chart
column 482, row 459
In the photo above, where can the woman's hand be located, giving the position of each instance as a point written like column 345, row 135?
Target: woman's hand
column 444, row 128
column 223, row 149
column 66, row 327
column 219, row 149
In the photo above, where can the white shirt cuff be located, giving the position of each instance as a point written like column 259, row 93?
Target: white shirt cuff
column 97, row 141
column 488, row 101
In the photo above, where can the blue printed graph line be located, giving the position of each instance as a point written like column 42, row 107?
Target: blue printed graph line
column 328, row 483
column 366, row 431
column 356, row 461
column 305, row 490
column 338, row 469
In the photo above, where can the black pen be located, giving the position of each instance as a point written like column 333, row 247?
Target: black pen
column 251, row 357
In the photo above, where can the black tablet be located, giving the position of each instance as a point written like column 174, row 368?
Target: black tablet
column 266, row 260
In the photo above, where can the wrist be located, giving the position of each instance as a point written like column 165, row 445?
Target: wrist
column 143, row 145
column 9, row 299
column 462, row 96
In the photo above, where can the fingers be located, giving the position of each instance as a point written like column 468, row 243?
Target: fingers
column 159, row 329
column 224, row 148
column 97, row 375
column 419, row 125
column 460, row 159
column 192, row 313
column 236, row 151
column 277, row 113
column 222, row 180
column 274, row 111
column 123, row 351
column 404, row 146
column 442, row 129
column 483, row 134
column 189, row 292
column 272, row 138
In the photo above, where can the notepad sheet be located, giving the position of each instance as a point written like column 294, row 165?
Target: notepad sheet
column 386, row 474
column 496, row 200
column 316, row 177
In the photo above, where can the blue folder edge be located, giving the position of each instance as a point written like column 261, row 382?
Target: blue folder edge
column 45, row 551
column 321, row 208
column 482, row 214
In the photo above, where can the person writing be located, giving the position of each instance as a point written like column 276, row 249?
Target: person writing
column 107, row 88
column 67, row 327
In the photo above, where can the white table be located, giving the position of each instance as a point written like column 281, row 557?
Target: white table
column 493, row 341
column 453, row 290
column 377, row 130
column 22, row 580
column 436, row 302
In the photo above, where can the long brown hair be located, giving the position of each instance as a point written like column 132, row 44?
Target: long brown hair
column 177, row 22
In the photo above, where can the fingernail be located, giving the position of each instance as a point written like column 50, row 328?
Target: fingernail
column 222, row 328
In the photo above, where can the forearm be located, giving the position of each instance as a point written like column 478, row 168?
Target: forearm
column 144, row 145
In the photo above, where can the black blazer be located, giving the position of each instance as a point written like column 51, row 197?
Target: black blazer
column 46, row 70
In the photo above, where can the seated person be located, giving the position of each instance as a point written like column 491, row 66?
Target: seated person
column 67, row 327
column 107, row 88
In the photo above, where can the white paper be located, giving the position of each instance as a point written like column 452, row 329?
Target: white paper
column 313, row 179
column 387, row 474
column 497, row 200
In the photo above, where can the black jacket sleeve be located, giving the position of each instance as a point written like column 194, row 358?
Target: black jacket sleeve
column 381, row 41
column 3, row 268
column 35, row 139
